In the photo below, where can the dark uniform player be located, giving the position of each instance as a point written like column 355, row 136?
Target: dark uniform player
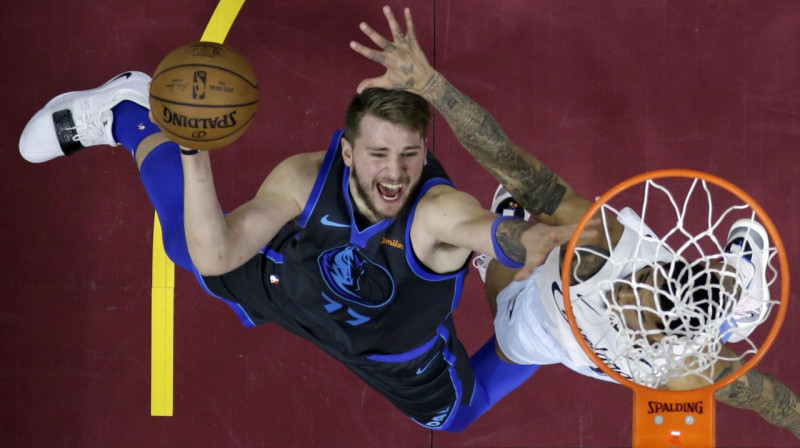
column 367, row 243
column 350, row 289
column 338, row 271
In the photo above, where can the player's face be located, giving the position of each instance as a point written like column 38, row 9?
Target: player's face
column 636, row 302
column 385, row 163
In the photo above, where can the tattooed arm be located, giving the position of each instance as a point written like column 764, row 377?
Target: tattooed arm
column 759, row 392
column 530, row 182
column 754, row 390
column 534, row 185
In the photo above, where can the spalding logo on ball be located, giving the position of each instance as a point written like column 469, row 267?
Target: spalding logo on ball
column 203, row 95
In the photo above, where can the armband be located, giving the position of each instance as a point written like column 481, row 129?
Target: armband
column 498, row 251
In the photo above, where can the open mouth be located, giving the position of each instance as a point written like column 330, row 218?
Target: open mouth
column 390, row 192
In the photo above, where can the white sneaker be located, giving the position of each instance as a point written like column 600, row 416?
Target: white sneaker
column 504, row 205
column 75, row 120
column 748, row 253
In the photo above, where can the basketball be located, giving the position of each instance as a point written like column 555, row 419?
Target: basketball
column 203, row 95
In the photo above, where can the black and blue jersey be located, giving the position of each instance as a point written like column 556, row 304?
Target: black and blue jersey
column 361, row 295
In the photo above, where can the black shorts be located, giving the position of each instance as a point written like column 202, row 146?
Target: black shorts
column 427, row 383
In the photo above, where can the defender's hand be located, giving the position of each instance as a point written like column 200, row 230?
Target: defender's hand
column 407, row 68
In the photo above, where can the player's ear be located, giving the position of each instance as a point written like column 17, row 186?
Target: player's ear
column 347, row 152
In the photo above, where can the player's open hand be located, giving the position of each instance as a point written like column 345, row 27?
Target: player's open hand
column 407, row 68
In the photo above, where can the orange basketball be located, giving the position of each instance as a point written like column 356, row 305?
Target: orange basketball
column 203, row 95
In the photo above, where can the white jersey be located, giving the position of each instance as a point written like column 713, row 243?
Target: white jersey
column 532, row 326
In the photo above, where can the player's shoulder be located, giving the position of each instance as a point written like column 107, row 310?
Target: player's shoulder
column 295, row 175
column 442, row 207
column 435, row 226
column 301, row 167
column 443, row 195
column 303, row 162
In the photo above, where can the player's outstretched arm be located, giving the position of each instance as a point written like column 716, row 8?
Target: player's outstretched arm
column 754, row 390
column 534, row 185
column 448, row 217
column 218, row 244
column 759, row 392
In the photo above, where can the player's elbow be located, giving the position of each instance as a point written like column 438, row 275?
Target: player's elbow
column 211, row 264
column 210, row 261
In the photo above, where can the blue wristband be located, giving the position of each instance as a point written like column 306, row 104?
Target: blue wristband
column 498, row 251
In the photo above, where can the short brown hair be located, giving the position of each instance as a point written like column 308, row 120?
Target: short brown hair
column 395, row 106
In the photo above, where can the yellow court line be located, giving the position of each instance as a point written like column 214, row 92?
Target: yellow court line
column 163, row 280
column 162, row 328
column 221, row 21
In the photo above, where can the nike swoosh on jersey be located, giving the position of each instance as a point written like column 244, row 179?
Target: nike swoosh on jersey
column 511, row 306
column 326, row 222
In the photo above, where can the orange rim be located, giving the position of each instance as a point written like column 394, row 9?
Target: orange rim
column 764, row 219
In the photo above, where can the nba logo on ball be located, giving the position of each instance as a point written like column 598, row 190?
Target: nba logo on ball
column 199, row 85
column 218, row 107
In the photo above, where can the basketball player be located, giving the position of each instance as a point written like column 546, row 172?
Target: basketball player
column 361, row 249
column 530, row 323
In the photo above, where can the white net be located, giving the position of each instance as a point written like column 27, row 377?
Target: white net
column 686, row 269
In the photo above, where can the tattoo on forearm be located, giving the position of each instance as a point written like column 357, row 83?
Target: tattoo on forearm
column 541, row 191
column 775, row 402
column 538, row 188
column 432, row 89
column 509, row 237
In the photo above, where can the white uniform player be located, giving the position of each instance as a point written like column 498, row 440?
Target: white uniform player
column 532, row 325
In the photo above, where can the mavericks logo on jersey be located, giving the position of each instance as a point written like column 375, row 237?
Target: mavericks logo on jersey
column 352, row 277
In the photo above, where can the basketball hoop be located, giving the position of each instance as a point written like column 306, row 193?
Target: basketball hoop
column 675, row 296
